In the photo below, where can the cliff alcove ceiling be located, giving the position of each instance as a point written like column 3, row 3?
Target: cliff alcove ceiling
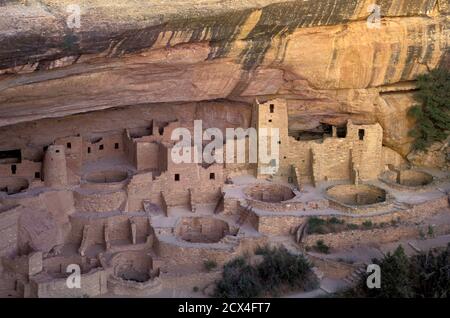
column 129, row 53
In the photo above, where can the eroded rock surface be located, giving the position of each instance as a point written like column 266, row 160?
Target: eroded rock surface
column 319, row 54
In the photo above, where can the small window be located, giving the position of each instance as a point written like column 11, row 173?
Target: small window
column 101, row 147
column 341, row 131
column 116, row 145
column 279, row 142
column 13, row 169
column 212, row 176
column 69, row 145
column 290, row 180
column 57, row 150
column 270, row 120
column 37, row 175
column 177, row 177
column 272, row 108
column 361, row 134
column 89, row 149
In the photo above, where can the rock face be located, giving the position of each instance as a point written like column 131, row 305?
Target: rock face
column 319, row 54
column 437, row 155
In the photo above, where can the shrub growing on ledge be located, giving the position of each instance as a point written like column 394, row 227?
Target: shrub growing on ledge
column 278, row 271
column 321, row 247
column 209, row 265
column 320, row 226
column 433, row 113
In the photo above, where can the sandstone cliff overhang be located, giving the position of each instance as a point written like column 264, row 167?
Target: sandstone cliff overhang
column 318, row 53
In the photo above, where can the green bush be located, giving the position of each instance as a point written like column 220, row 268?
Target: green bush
column 367, row 224
column 426, row 275
column 321, row 247
column 209, row 265
column 352, row 226
column 316, row 226
column 279, row 269
column 430, row 231
column 320, row 226
column 432, row 115
column 335, row 220
column 239, row 280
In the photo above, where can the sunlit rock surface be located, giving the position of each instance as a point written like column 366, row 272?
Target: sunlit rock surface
column 319, row 54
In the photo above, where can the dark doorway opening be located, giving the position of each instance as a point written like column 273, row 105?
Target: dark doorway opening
column 361, row 134
column 341, row 131
column 11, row 156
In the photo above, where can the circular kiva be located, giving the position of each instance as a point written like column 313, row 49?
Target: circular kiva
column 270, row 193
column 407, row 179
column 201, row 229
column 357, row 195
column 412, row 178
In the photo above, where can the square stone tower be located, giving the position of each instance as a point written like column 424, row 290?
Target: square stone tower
column 271, row 122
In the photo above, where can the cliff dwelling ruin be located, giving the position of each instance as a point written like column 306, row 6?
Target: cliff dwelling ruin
column 116, row 204
column 88, row 116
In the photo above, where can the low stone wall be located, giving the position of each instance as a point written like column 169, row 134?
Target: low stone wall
column 274, row 224
column 279, row 225
column 30, row 264
column 188, row 281
column 414, row 215
column 119, row 228
column 119, row 286
column 195, row 254
column 99, row 202
column 138, row 191
column 203, row 196
column 291, row 205
column 247, row 215
column 364, row 209
column 110, row 186
column 375, row 236
column 230, row 206
column 363, row 237
column 192, row 253
column 93, row 284
column 8, row 230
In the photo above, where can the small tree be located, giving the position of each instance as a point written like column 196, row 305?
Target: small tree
column 395, row 281
column 433, row 113
column 426, row 275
